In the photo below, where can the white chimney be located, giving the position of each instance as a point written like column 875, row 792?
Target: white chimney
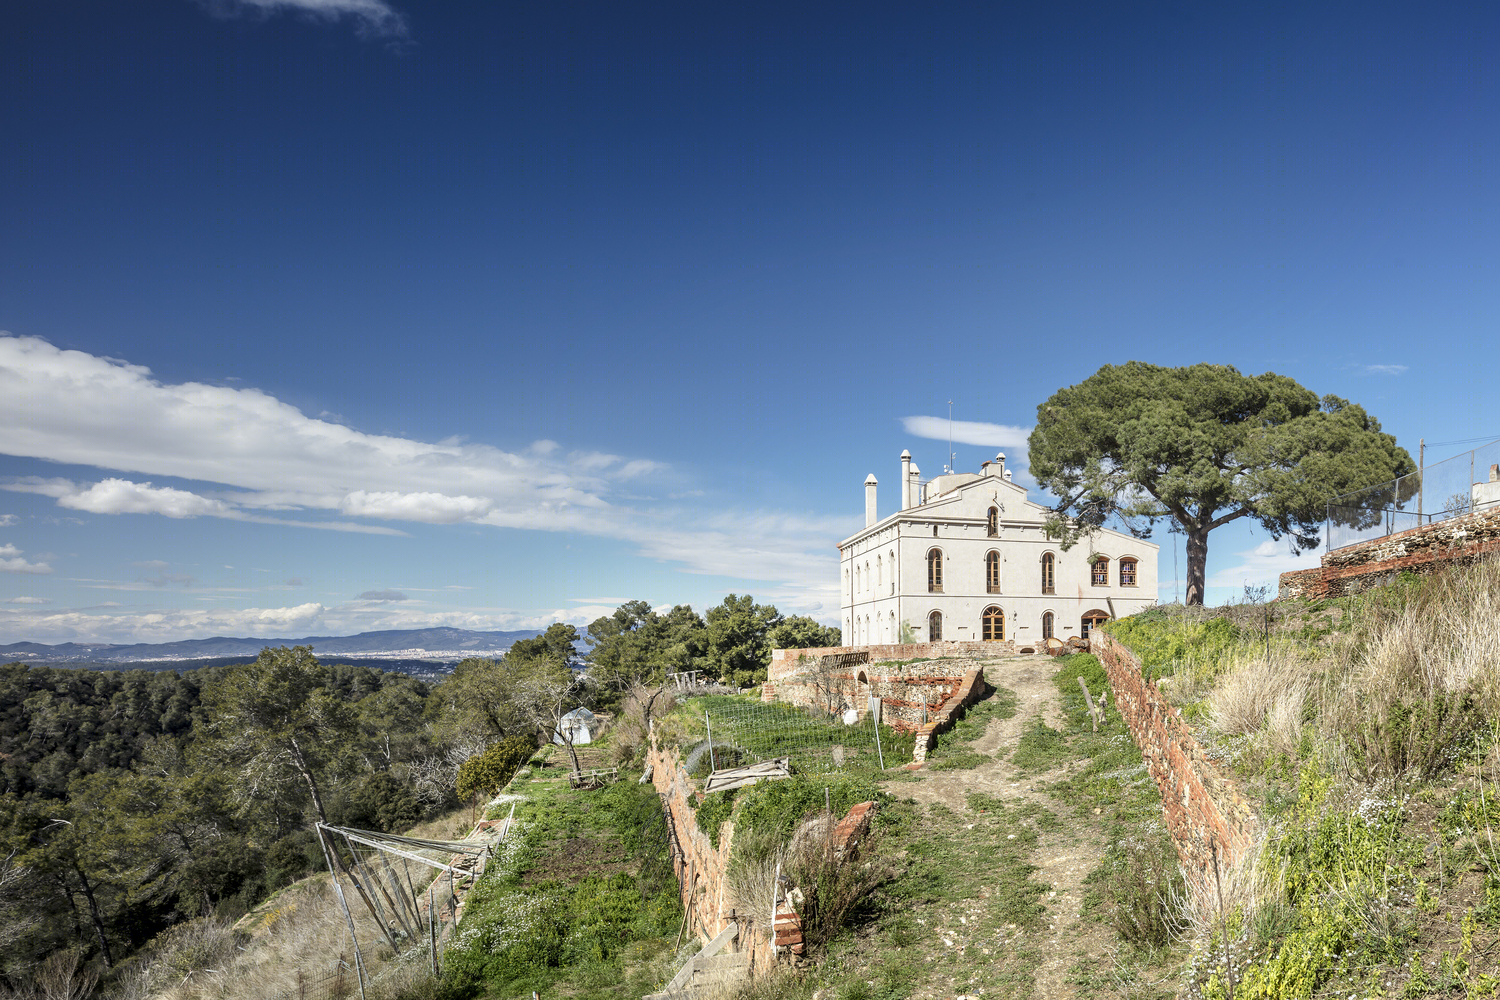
column 870, row 483
column 905, row 479
column 1000, row 465
column 1007, row 475
column 915, row 485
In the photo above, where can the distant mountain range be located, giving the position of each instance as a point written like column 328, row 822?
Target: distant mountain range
column 440, row 645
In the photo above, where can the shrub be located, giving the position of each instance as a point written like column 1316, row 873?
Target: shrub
column 488, row 772
column 1142, row 882
column 831, row 887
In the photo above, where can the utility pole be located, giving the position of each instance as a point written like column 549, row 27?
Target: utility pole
column 1421, row 477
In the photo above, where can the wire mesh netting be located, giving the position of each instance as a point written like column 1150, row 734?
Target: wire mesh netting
column 1459, row 485
column 745, row 732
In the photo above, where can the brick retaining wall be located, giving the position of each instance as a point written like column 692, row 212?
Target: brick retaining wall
column 1201, row 806
column 1362, row 565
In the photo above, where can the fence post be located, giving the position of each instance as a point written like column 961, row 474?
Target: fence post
column 712, row 764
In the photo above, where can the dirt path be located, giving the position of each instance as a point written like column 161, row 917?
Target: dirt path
column 1066, row 855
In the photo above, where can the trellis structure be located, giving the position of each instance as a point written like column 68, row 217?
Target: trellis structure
column 378, row 867
column 740, row 733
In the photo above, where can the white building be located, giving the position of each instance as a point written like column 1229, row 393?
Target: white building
column 966, row 558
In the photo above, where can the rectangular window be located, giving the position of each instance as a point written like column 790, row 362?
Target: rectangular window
column 1101, row 573
column 1127, row 572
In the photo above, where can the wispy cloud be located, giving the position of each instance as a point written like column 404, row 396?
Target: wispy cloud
column 382, row 595
column 265, row 461
column 6, row 520
column 1385, row 369
column 372, row 18
column 11, row 562
column 968, row 432
column 28, row 600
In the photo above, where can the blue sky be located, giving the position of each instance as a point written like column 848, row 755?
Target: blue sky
column 327, row 315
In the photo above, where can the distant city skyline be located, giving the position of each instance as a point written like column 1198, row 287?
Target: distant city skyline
column 326, row 316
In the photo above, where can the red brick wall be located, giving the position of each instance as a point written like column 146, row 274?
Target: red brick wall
column 1420, row 550
column 1201, row 806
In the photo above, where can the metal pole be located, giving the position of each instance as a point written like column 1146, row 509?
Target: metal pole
column 432, row 928
column 1471, row 483
column 1421, row 477
column 712, row 764
column 338, row 890
column 878, row 751
column 775, row 889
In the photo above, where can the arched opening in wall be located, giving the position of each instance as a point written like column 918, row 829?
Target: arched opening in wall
column 856, row 579
column 1092, row 620
column 935, row 571
column 869, row 580
column 993, row 526
column 1127, row 572
column 864, row 687
column 878, row 572
column 992, row 573
column 891, row 562
column 1049, row 574
column 1099, row 572
column 935, row 627
column 895, row 637
column 993, row 624
column 1048, row 625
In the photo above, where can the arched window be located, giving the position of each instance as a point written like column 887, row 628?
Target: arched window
column 1100, row 574
column 878, row 571
column 891, row 562
column 1092, row 620
column 848, row 635
column 935, row 571
column 1127, row 573
column 992, row 573
column 856, row 579
column 895, row 636
column 994, row 624
column 1047, row 625
column 994, row 522
column 935, row 627
column 1049, row 575
column 869, row 580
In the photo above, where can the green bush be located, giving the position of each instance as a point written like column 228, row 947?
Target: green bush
column 779, row 806
column 1142, row 877
column 486, row 773
column 713, row 811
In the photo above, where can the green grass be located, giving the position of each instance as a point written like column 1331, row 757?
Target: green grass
column 580, row 901
column 953, row 750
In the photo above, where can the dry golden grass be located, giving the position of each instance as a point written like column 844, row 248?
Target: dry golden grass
column 1253, row 687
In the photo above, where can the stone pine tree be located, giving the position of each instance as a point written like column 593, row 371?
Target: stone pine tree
column 1203, row 445
column 272, row 722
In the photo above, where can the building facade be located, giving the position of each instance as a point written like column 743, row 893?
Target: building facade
column 965, row 558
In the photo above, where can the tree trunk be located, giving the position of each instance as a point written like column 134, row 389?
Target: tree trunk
column 95, row 916
column 1197, row 565
column 312, row 785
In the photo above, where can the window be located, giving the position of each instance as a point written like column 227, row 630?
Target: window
column 1127, row 572
column 1048, row 575
column 1101, row 572
column 994, row 624
column 994, row 522
column 895, row 636
column 935, row 571
column 891, row 562
column 856, row 579
column 869, row 580
column 1047, row 627
column 1093, row 620
column 878, row 571
column 934, row 531
column 992, row 573
column 935, row 627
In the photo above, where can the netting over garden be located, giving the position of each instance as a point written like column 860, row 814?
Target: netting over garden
column 1458, row 485
column 749, row 732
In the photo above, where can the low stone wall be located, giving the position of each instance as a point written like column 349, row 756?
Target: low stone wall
column 913, row 696
column 970, row 690
column 700, row 866
column 1420, row 550
column 1202, row 807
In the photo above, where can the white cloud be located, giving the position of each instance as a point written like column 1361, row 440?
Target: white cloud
column 372, row 17
column 28, row 600
column 257, row 455
column 968, row 432
column 11, row 562
column 6, row 520
column 120, row 496
column 1386, row 369
column 382, row 595
column 430, row 508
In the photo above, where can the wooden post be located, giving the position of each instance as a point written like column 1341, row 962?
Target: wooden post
column 1093, row 712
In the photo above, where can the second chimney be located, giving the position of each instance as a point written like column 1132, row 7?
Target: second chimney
column 870, row 484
